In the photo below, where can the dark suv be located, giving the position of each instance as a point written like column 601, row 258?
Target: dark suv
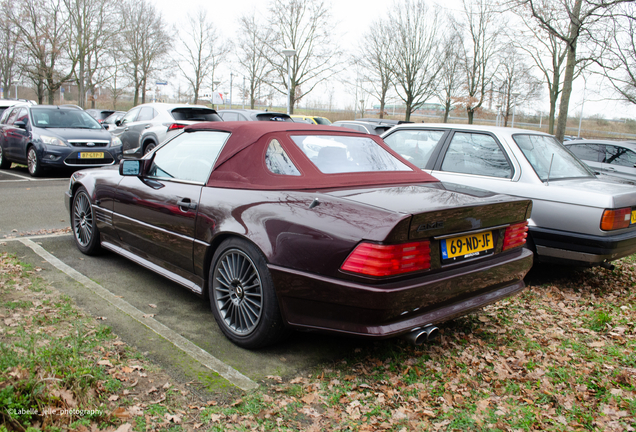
column 47, row 136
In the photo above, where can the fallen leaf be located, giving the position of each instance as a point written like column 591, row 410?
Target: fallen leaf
column 121, row 413
column 113, row 398
column 152, row 305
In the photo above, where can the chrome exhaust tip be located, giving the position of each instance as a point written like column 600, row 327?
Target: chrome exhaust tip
column 421, row 335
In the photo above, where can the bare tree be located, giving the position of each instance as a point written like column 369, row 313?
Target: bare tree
column 43, row 29
column 517, row 85
column 572, row 21
column 482, row 26
column 8, row 46
column 91, row 24
column 374, row 57
column 251, row 56
column 620, row 65
column 450, row 77
column 113, row 82
column 415, row 60
column 305, row 26
column 145, row 43
column 202, row 50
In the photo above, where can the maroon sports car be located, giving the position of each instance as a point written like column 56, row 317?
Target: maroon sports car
column 289, row 225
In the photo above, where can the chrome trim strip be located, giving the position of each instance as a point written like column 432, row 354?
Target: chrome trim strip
column 202, row 243
column 154, row 267
column 87, row 140
column 174, row 180
column 445, row 236
column 185, row 237
column 88, row 165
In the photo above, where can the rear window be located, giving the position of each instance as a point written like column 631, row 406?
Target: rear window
column 273, row 117
column 346, row 154
column 195, row 114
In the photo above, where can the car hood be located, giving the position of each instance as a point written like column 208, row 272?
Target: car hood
column 620, row 193
column 76, row 134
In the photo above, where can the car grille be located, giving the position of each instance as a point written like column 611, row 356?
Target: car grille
column 85, row 143
column 73, row 159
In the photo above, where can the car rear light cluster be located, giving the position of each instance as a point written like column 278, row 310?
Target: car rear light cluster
column 388, row 260
column 175, row 126
column 616, row 219
column 515, row 235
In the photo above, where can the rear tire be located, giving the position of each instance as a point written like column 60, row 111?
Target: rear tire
column 242, row 296
column 84, row 225
column 149, row 147
column 4, row 163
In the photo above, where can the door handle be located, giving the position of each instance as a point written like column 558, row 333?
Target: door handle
column 126, row 129
column 185, row 203
column 147, row 126
column 611, row 169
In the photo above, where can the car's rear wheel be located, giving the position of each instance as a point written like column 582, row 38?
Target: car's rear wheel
column 242, row 295
column 84, row 225
column 33, row 162
column 4, row 163
column 149, row 147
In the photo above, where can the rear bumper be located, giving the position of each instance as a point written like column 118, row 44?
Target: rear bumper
column 384, row 310
column 582, row 249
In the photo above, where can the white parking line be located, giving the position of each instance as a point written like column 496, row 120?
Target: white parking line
column 202, row 356
column 35, row 237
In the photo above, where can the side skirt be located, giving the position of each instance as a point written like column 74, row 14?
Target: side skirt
column 192, row 286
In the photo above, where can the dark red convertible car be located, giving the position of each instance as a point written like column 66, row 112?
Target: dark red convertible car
column 289, row 225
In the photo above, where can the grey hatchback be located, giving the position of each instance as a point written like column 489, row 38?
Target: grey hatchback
column 616, row 158
column 146, row 126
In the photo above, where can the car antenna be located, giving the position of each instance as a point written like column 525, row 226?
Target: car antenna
column 547, row 183
column 314, row 203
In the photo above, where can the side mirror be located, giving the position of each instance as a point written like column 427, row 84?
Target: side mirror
column 118, row 122
column 105, row 125
column 131, row 167
column 20, row 124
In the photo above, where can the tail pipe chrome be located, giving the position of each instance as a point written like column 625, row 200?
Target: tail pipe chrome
column 421, row 335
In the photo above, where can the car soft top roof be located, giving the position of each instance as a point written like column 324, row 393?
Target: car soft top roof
column 241, row 163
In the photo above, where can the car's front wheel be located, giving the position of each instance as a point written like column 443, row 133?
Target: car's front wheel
column 242, row 295
column 84, row 225
column 4, row 162
column 33, row 162
column 149, row 147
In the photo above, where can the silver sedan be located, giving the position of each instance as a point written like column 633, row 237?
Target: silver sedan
column 577, row 218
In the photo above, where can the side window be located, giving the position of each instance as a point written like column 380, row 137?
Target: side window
column 478, row 154
column 416, row 146
column 146, row 113
column 620, row 156
column 13, row 116
column 130, row 116
column 23, row 116
column 230, row 116
column 277, row 160
column 588, row 152
column 188, row 157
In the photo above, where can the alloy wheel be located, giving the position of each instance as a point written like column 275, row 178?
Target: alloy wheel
column 83, row 220
column 32, row 161
column 238, row 292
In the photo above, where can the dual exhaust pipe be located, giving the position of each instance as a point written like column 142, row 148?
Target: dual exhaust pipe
column 419, row 336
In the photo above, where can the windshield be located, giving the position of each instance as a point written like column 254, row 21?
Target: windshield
column 550, row 159
column 63, row 118
column 343, row 154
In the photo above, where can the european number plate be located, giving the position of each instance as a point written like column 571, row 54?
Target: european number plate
column 468, row 246
column 91, row 155
column 633, row 217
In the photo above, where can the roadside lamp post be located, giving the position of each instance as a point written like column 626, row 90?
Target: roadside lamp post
column 215, row 86
column 514, row 108
column 289, row 53
column 231, row 77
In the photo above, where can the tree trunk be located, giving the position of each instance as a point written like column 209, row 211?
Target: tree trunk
column 569, row 71
column 447, row 107
column 471, row 115
column 382, row 108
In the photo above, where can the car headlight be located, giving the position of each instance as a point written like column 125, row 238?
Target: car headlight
column 115, row 142
column 52, row 141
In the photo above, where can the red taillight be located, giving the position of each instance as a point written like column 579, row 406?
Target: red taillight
column 175, row 126
column 616, row 219
column 516, row 235
column 388, row 260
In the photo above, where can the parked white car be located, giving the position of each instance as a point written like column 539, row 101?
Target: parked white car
column 577, row 217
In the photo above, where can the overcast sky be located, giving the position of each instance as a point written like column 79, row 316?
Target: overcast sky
column 353, row 18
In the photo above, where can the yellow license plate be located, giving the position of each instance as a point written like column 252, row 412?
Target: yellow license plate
column 633, row 216
column 91, row 155
column 467, row 246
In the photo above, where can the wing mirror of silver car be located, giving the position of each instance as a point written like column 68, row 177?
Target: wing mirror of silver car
column 131, row 167
column 20, row 124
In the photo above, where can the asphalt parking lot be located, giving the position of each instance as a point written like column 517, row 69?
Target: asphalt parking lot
column 179, row 333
